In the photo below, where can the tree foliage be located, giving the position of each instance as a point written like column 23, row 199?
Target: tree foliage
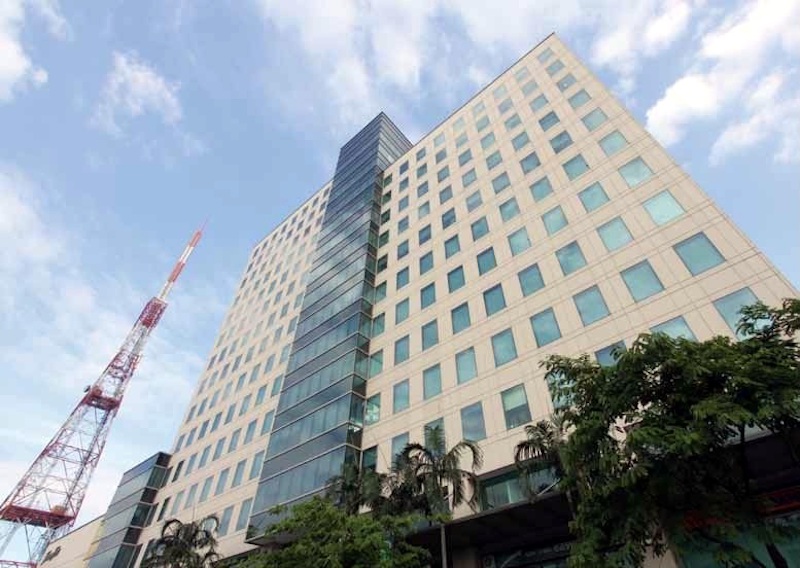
column 656, row 442
column 184, row 545
column 323, row 535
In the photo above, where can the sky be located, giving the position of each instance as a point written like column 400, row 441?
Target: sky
column 125, row 124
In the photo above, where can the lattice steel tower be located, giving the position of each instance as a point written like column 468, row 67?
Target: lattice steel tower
column 46, row 501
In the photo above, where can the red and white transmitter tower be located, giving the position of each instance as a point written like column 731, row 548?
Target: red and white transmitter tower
column 46, row 501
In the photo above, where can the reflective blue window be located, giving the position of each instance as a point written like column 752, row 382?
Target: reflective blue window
column 401, row 311
column 400, row 398
column 579, row 99
column 698, row 254
column 729, row 307
column 635, row 172
column 466, row 367
column 487, row 141
column 402, row 278
column 401, row 350
column 554, row 220
column 446, row 194
column 464, row 157
column 430, row 335
column 472, row 424
column 549, row 120
column 426, row 262
column 494, row 159
column 594, row 119
column 541, row 189
column 530, row 162
column 566, row 82
column 474, row 201
column 448, row 218
column 459, row 317
column 555, row 67
column 520, row 141
column 529, row 87
column 455, row 279
column 545, row 327
column 482, row 123
column 608, row 356
column 503, row 347
column 663, row 208
column 530, row 280
column 509, row 209
column 570, row 258
column 486, row 261
column 642, row 281
column 424, row 234
column 515, row 406
column 480, row 228
column 538, row 103
column 399, row 443
column 494, row 300
column 675, row 328
column 561, row 142
column 431, row 381
column 575, row 167
column 427, row 295
column 500, row 182
column 614, row 234
column 518, row 241
column 513, row 121
column 451, row 246
column 591, row 305
column 469, row 178
column 613, row 143
column 593, row 197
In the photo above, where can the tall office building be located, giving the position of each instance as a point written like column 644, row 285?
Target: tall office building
column 423, row 285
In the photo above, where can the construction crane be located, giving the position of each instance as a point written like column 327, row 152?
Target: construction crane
column 46, row 501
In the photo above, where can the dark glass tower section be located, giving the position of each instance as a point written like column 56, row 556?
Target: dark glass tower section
column 318, row 422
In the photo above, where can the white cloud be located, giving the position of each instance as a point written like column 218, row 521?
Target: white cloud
column 730, row 63
column 134, row 88
column 59, row 326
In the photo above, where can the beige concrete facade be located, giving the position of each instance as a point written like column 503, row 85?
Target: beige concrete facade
column 271, row 289
column 73, row 549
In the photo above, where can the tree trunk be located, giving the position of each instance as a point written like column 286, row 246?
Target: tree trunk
column 444, row 545
column 775, row 555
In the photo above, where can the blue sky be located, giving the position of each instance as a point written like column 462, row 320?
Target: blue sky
column 125, row 124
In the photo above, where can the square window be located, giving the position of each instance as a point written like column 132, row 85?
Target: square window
column 380, row 293
column 461, row 140
column 554, row 220
column 431, row 382
column 403, row 168
column 486, row 261
column 493, row 159
column 519, row 241
column 472, row 424
column 402, row 225
column 579, row 99
column 555, row 67
column 482, row 123
column 520, row 140
column 459, row 317
column 443, row 174
column 427, row 295
column 561, row 142
column 487, row 141
column 372, row 410
column 530, row 280
column 464, row 157
column 505, row 106
column 446, row 194
column 675, row 328
column 509, row 209
column 698, row 254
column 641, row 280
column 403, row 185
column 545, row 56
column 480, row 228
column 402, row 204
column 401, row 350
column 575, row 167
column 425, row 263
column 378, row 324
column 439, row 139
column 422, row 189
column 529, row 87
column 515, row 407
column 663, row 208
column 566, row 82
column 614, row 234
column 549, row 120
column 401, row 311
column 538, row 103
column 451, row 246
column 503, row 347
column 424, row 234
column 399, row 444
column 594, row 119
column 635, row 172
column 613, row 143
column 500, row 92
column 421, row 154
column 455, row 279
column 530, row 163
column 424, row 210
column 459, row 124
column 478, row 108
column 541, row 189
column 545, row 327
column 448, row 218
column 441, row 155
column 400, row 398
column 469, row 178
column 593, row 197
column 466, row 367
column 570, row 258
column 422, row 170
column 607, row 356
column 430, row 335
column 591, row 305
column 500, row 182
column 494, row 300
column 512, row 122
column 428, row 429
column 376, row 363
column 730, row 306
column 521, row 74
column 402, row 278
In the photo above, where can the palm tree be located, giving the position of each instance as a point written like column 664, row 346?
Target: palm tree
column 184, row 545
column 541, row 451
column 438, row 473
column 357, row 487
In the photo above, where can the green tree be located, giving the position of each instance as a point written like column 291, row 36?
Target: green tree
column 184, row 545
column 538, row 457
column 437, row 473
column 656, row 442
column 358, row 487
column 323, row 535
